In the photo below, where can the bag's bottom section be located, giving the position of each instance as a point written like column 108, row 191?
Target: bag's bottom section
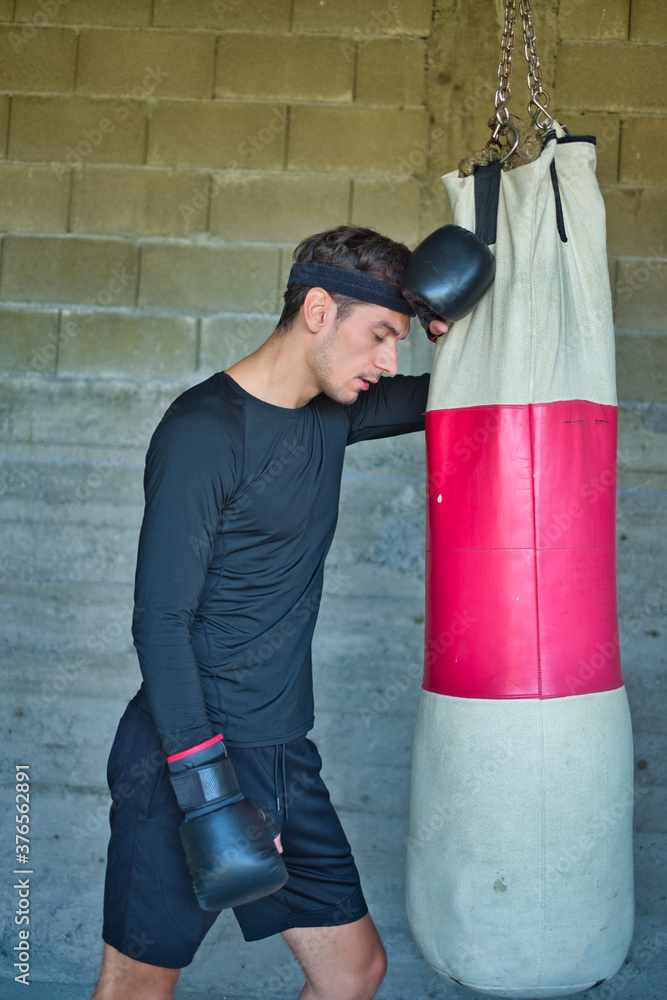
column 526, row 992
column 519, row 851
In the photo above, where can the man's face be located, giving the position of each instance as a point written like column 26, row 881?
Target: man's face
column 357, row 351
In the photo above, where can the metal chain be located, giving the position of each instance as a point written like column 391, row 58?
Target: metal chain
column 539, row 99
column 504, row 91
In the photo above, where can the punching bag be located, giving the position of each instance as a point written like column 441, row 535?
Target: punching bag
column 519, row 851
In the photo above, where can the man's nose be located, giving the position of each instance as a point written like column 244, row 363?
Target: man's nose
column 388, row 356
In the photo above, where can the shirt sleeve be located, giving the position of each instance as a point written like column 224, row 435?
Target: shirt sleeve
column 185, row 495
column 393, row 406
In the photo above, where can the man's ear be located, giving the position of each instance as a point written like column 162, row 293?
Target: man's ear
column 318, row 309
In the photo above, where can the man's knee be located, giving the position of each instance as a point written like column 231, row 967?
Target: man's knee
column 123, row 978
column 364, row 982
column 377, row 970
column 340, row 962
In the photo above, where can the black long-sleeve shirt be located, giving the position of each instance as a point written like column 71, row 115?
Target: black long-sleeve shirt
column 241, row 506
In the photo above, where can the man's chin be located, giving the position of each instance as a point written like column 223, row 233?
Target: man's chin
column 341, row 395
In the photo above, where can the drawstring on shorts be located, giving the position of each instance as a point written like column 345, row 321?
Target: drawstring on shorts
column 280, row 752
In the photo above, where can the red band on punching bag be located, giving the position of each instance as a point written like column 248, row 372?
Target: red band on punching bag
column 521, row 574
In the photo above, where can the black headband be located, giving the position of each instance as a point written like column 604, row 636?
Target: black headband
column 353, row 283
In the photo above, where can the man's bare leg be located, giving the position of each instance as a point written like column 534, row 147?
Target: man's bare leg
column 124, row 978
column 344, row 962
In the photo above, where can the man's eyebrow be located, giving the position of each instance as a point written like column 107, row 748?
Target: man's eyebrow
column 392, row 329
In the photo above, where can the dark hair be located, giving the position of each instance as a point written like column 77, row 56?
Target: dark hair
column 353, row 248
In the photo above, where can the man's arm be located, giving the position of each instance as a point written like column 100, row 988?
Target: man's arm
column 393, row 406
column 184, row 498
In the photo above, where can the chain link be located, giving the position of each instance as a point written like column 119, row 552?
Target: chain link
column 504, row 91
column 539, row 99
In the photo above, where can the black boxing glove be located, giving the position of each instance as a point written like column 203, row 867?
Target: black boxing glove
column 446, row 275
column 229, row 849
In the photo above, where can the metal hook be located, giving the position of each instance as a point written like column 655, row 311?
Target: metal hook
column 495, row 142
column 515, row 144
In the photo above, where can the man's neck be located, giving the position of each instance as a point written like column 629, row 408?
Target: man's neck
column 276, row 373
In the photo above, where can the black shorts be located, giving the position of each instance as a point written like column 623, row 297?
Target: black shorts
column 150, row 910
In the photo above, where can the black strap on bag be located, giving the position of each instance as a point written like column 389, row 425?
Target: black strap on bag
column 487, row 193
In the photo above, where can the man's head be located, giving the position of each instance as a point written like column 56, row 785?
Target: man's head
column 343, row 301
column 351, row 248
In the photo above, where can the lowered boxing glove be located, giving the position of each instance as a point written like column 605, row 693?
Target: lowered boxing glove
column 446, row 275
column 229, row 850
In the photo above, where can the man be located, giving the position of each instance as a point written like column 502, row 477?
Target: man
column 242, row 485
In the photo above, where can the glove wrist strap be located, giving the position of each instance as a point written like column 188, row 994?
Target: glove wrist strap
column 205, row 785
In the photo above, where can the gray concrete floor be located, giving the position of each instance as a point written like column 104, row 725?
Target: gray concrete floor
column 71, row 506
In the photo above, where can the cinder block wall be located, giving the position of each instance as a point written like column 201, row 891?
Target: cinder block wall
column 611, row 79
column 163, row 159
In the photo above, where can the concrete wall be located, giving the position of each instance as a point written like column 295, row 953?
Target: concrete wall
column 159, row 160
column 162, row 159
